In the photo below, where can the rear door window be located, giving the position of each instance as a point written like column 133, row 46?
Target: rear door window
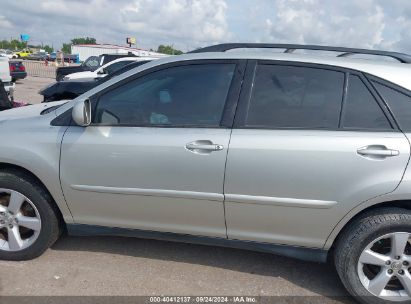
column 399, row 104
column 295, row 97
column 361, row 109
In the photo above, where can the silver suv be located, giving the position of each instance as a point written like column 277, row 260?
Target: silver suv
column 294, row 154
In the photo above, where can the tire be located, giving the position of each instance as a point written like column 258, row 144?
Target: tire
column 21, row 183
column 375, row 228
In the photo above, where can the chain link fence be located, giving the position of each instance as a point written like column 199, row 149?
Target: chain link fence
column 41, row 68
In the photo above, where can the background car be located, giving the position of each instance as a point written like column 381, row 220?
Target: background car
column 17, row 70
column 7, row 53
column 91, row 64
column 22, row 53
column 39, row 56
column 106, row 69
column 66, row 57
column 70, row 89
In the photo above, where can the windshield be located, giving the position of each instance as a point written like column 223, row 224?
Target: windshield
column 92, row 62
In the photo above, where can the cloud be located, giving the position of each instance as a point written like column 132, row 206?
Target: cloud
column 375, row 24
column 345, row 23
column 4, row 23
column 185, row 23
column 188, row 24
column 189, row 21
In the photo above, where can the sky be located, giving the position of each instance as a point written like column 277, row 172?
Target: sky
column 189, row 24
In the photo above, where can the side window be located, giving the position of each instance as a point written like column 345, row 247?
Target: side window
column 190, row 95
column 115, row 66
column 361, row 110
column 399, row 104
column 295, row 97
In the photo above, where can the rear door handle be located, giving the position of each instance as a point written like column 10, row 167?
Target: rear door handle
column 377, row 151
column 203, row 146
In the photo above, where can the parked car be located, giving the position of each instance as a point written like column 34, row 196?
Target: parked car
column 70, row 89
column 106, row 69
column 38, row 56
column 66, row 57
column 293, row 154
column 6, row 102
column 5, row 76
column 91, row 64
column 22, row 53
column 17, row 70
column 6, row 53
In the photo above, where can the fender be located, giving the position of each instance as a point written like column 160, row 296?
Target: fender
column 401, row 193
column 40, row 155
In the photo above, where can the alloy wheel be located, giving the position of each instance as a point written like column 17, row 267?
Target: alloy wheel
column 384, row 267
column 20, row 222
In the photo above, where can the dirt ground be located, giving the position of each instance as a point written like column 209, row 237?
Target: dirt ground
column 27, row 89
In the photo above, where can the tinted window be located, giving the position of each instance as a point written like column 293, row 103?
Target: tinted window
column 122, row 70
column 361, row 110
column 185, row 95
column 399, row 104
column 295, row 97
column 116, row 66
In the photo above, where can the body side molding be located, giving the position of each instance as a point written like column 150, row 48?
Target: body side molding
column 279, row 201
column 152, row 192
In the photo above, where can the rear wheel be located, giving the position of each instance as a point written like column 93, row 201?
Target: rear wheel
column 28, row 221
column 373, row 256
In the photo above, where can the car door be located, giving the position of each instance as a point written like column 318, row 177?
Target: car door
column 310, row 142
column 154, row 156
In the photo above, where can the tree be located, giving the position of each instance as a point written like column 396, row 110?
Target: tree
column 66, row 48
column 45, row 47
column 168, row 49
column 86, row 40
column 48, row 49
column 12, row 44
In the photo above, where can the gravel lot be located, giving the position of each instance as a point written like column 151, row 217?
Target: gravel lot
column 27, row 89
column 126, row 266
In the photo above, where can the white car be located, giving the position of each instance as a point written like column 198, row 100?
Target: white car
column 6, row 53
column 106, row 69
column 5, row 76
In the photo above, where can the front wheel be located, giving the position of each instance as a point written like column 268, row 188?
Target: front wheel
column 28, row 221
column 373, row 256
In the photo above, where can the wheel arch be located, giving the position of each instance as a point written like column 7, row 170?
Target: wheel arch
column 358, row 212
column 7, row 167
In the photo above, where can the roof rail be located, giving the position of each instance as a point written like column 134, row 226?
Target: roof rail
column 289, row 48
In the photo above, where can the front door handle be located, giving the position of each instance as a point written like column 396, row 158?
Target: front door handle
column 377, row 151
column 203, row 146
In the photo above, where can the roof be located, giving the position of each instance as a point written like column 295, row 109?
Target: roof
column 398, row 73
column 291, row 48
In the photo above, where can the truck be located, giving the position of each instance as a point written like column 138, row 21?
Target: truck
column 91, row 64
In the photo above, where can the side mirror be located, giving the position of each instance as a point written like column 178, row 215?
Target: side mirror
column 81, row 113
column 101, row 72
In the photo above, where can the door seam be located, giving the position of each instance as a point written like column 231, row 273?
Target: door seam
column 224, row 177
